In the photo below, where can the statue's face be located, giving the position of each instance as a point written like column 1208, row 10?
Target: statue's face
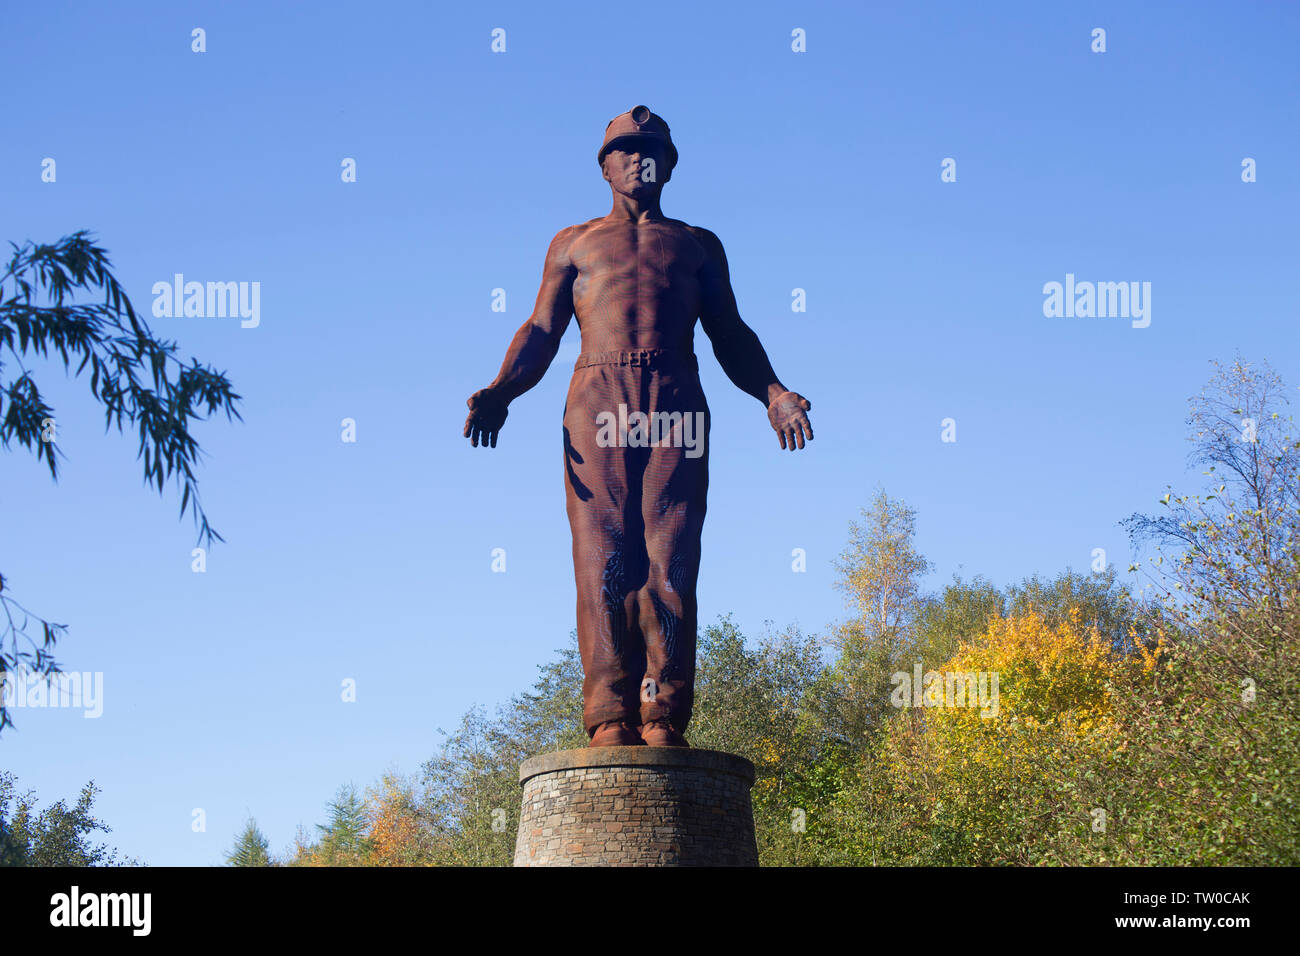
column 626, row 170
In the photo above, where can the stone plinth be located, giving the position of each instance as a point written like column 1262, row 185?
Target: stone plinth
column 636, row 806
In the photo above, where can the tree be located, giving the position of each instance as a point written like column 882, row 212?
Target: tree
column 1096, row 599
column 1008, row 778
column 960, row 611
column 753, row 701
column 881, row 569
column 56, row 836
column 344, row 839
column 471, row 786
column 138, row 379
column 880, row 573
column 251, row 847
column 1221, row 728
column 400, row 829
column 1237, row 541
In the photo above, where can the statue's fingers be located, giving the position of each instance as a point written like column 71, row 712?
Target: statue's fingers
column 473, row 436
column 495, row 432
column 791, row 432
column 781, row 435
column 806, row 426
column 807, row 405
column 798, row 434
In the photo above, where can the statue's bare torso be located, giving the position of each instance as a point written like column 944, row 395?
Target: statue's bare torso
column 636, row 285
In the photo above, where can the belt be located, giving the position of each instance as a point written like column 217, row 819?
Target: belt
column 639, row 358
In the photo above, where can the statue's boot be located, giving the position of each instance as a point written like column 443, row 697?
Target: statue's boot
column 661, row 733
column 615, row 733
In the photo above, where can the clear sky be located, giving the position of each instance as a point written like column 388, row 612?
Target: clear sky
column 819, row 170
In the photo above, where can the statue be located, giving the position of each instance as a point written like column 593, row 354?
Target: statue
column 636, row 428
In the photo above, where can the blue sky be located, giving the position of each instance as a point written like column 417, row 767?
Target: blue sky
column 820, row 170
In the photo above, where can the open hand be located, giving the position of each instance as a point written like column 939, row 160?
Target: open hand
column 788, row 415
column 487, row 413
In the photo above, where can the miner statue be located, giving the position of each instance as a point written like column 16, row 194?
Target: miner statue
column 636, row 428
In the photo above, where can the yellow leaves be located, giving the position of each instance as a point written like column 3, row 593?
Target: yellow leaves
column 1043, row 670
column 768, row 753
column 395, row 831
column 1054, row 713
column 1150, row 658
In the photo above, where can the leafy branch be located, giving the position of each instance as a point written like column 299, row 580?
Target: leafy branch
column 137, row 377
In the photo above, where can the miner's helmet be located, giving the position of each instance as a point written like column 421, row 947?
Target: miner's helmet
column 638, row 123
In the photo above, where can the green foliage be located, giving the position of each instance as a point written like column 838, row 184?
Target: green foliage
column 1193, row 753
column 752, row 701
column 344, row 839
column 1215, row 765
column 961, row 610
column 251, row 847
column 880, row 573
column 59, row 835
column 474, row 775
column 472, row 784
column 1097, row 599
column 880, row 568
column 139, row 379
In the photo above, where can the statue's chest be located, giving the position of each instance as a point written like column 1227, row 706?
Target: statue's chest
column 644, row 258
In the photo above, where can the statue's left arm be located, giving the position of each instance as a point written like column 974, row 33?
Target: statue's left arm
column 531, row 350
column 739, row 351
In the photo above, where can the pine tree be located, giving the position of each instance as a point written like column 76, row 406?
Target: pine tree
column 344, row 838
column 251, row 849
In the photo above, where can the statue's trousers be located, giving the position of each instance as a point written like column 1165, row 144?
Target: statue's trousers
column 636, row 473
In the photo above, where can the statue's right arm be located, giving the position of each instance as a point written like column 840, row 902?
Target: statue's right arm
column 538, row 339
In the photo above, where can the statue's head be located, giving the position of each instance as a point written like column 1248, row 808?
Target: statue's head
column 631, row 139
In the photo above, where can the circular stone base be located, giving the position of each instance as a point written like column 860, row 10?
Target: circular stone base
column 636, row 806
